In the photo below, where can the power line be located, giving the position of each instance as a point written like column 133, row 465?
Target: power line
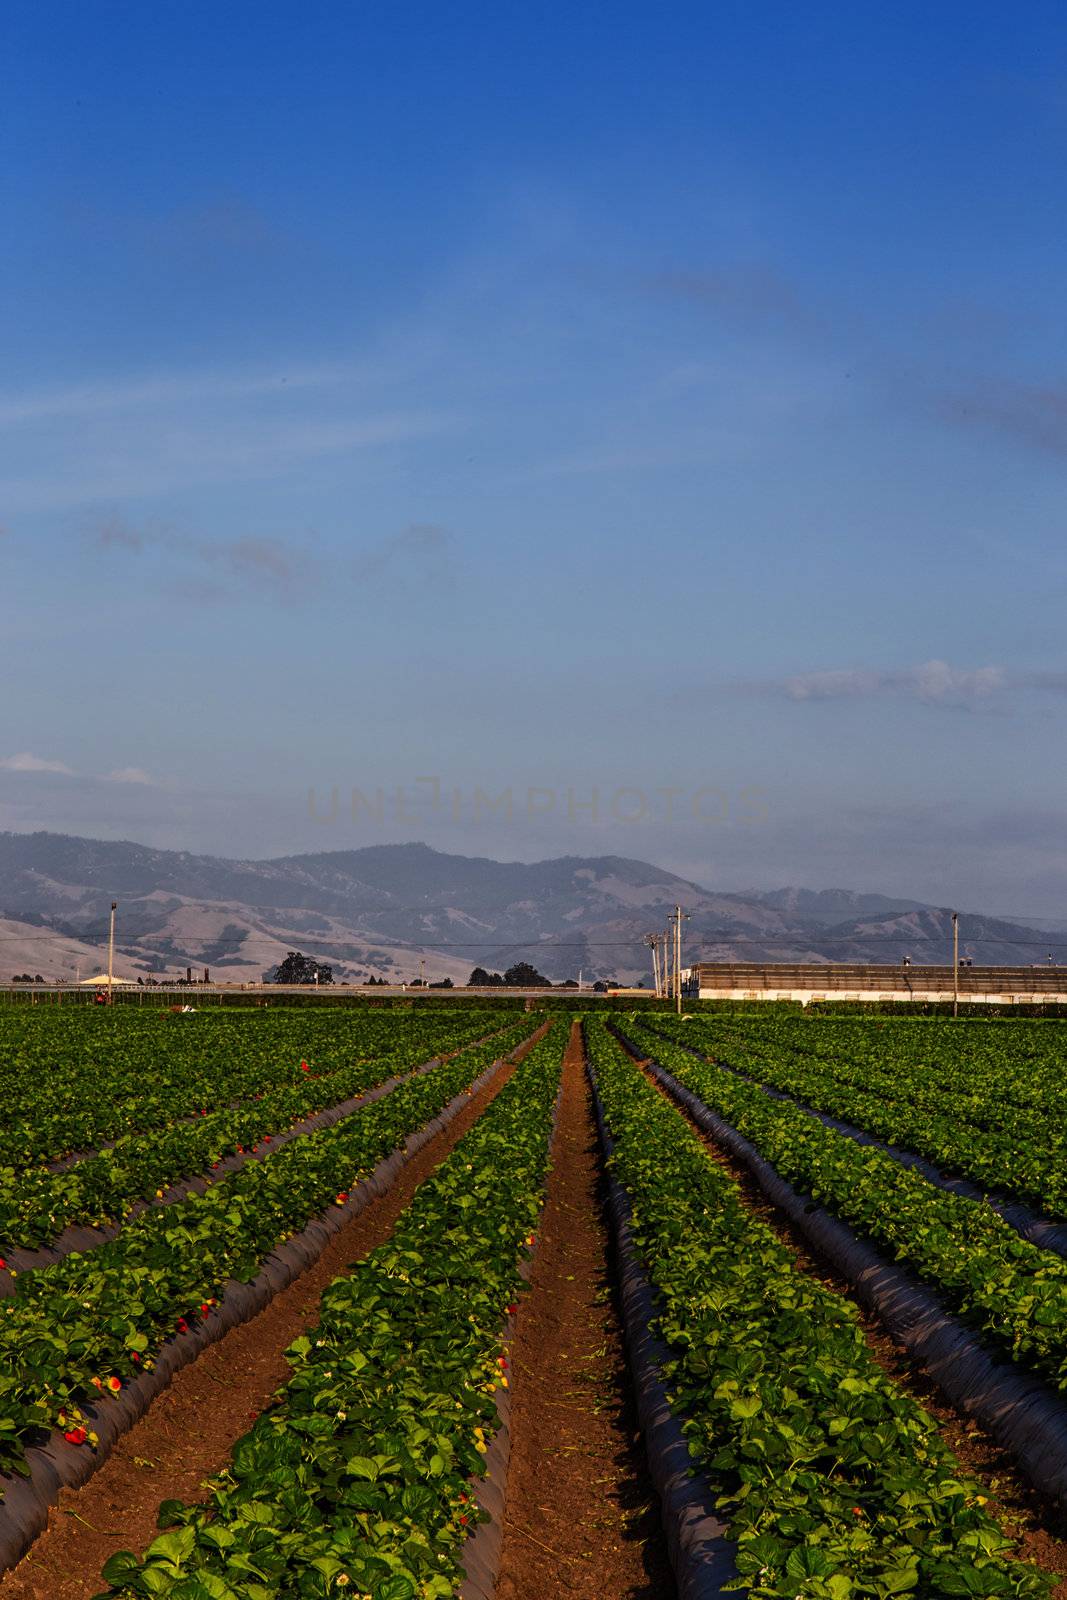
column 712, row 935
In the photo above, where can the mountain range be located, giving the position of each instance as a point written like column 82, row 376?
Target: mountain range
column 401, row 911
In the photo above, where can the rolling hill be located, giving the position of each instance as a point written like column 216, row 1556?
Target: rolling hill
column 386, row 909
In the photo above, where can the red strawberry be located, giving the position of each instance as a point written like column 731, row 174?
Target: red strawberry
column 76, row 1436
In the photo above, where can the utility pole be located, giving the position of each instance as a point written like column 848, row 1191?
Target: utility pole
column 111, row 954
column 652, row 941
column 678, row 916
column 955, row 963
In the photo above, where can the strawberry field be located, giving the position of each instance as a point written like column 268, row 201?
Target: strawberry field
column 458, row 1301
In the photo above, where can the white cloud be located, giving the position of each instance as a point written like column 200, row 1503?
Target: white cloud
column 131, row 775
column 25, row 761
column 932, row 682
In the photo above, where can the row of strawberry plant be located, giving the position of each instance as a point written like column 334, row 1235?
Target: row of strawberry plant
column 91, row 1321
column 998, row 1160
column 36, row 1205
column 70, row 1081
column 1008, row 1078
column 1010, row 1290
column 832, row 1480
column 358, row 1479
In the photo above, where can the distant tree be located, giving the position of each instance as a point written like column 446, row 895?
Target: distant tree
column 523, row 976
column 444, row 983
column 569, row 983
column 480, row 979
column 298, row 968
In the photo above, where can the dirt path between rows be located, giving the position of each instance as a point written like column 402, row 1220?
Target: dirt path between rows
column 190, row 1430
column 582, row 1518
column 1019, row 1509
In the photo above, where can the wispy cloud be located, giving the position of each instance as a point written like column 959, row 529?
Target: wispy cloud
column 115, row 533
column 41, row 766
column 131, row 775
column 1029, row 414
column 162, row 389
column 26, row 761
column 752, row 291
column 138, row 436
column 266, row 561
column 420, row 554
column 932, row 683
column 263, row 560
column 421, row 551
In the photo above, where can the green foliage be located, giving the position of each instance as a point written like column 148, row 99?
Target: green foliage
column 987, row 1105
column 299, row 968
column 833, row 1481
column 1008, row 1289
column 74, row 1077
column 109, row 1312
column 358, row 1479
column 36, row 1205
column 520, row 976
column 524, row 976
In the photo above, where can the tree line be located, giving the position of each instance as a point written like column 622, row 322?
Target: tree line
column 299, row 968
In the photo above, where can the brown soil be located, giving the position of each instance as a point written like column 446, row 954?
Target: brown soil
column 1041, row 1535
column 190, row 1430
column 582, row 1518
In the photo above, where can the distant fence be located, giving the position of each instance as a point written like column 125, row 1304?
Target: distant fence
column 208, row 994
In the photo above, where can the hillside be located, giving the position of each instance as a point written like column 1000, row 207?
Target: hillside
column 385, row 909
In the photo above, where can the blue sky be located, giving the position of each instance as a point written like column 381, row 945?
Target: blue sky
column 654, row 400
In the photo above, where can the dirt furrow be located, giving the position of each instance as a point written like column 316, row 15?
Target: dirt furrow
column 190, row 1430
column 581, row 1517
column 1020, row 1511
